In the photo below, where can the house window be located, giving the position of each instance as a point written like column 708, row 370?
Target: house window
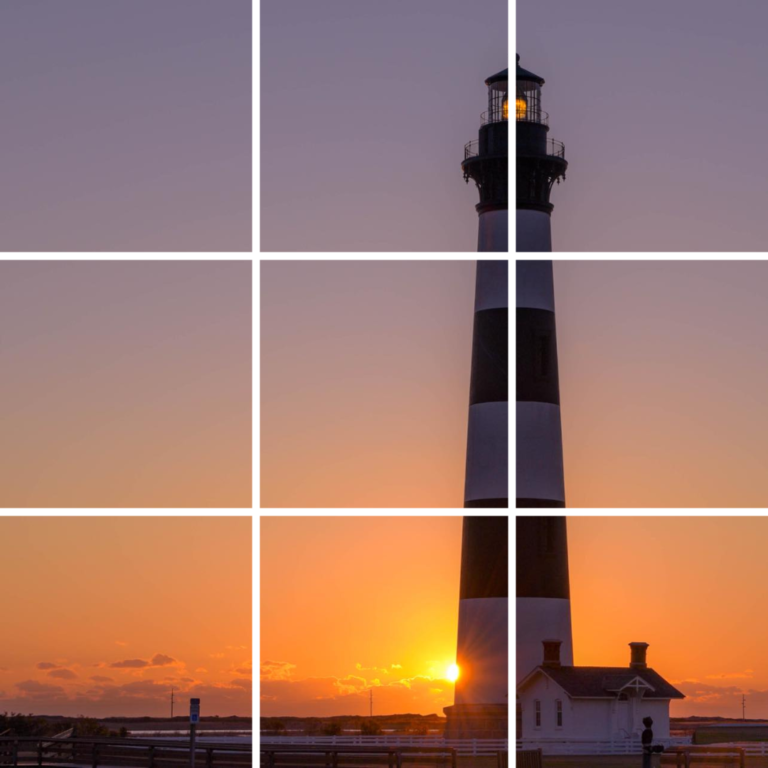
column 537, row 710
column 559, row 713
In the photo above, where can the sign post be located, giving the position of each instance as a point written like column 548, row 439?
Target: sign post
column 194, row 719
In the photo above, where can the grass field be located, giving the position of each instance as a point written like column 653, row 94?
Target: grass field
column 714, row 735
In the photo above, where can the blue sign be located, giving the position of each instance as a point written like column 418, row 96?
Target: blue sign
column 194, row 711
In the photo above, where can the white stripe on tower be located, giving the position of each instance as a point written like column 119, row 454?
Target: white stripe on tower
column 539, row 474
column 488, row 429
column 543, row 591
column 481, row 695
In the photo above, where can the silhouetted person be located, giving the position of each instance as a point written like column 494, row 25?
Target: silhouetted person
column 647, row 741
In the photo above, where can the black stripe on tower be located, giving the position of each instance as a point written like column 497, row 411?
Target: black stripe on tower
column 489, row 382
column 542, row 557
column 490, row 356
column 484, row 558
column 538, row 378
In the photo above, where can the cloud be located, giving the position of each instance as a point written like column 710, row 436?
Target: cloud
column 396, row 666
column 36, row 690
column 47, row 665
column 276, row 670
column 63, row 674
column 121, row 642
column 102, row 679
column 349, row 695
column 158, row 660
column 747, row 673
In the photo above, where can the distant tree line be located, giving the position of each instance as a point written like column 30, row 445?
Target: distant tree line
column 17, row 724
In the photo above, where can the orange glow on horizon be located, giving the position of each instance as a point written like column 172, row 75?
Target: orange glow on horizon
column 692, row 587
column 107, row 614
column 366, row 602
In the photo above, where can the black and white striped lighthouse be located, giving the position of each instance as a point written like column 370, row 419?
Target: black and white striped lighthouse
column 481, row 697
column 539, row 470
column 486, row 161
column 486, row 483
column 540, row 163
column 543, row 591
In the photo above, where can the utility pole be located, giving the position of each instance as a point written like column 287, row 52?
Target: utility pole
column 371, row 715
column 172, row 702
column 743, row 706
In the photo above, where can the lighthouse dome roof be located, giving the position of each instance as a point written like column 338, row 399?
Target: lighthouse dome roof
column 499, row 77
column 525, row 74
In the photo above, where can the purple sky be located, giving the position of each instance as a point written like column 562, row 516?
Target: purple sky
column 126, row 125
column 663, row 110
column 125, row 383
column 365, row 110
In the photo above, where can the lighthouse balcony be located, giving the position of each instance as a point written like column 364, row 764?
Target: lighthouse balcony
column 471, row 149
column 555, row 148
column 524, row 115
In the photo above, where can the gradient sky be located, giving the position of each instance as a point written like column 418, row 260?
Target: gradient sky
column 694, row 588
column 663, row 111
column 125, row 384
column 365, row 110
column 126, row 125
column 365, row 371
column 101, row 616
column 663, row 382
column 367, row 603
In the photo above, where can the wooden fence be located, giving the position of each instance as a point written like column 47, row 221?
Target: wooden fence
column 474, row 747
column 132, row 753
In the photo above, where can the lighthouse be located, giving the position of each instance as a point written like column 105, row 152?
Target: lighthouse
column 539, row 446
column 540, row 163
column 486, row 483
column 485, row 162
column 481, row 695
column 543, row 591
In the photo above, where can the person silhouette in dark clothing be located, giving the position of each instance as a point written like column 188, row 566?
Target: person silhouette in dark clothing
column 647, row 741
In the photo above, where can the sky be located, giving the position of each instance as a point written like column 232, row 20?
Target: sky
column 663, row 381
column 368, row 602
column 662, row 109
column 103, row 615
column 125, row 384
column 692, row 587
column 365, row 370
column 365, row 110
column 126, row 125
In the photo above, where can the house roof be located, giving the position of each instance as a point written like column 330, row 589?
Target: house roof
column 606, row 682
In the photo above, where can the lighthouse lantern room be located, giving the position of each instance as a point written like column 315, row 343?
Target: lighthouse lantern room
column 486, row 163
column 540, row 164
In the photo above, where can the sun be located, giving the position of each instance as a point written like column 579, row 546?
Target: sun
column 453, row 673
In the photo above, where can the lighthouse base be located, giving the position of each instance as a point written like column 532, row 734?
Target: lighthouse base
column 477, row 721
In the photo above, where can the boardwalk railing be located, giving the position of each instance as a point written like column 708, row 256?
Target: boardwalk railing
column 462, row 746
column 136, row 753
column 588, row 747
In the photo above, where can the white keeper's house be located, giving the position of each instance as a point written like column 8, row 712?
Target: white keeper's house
column 557, row 702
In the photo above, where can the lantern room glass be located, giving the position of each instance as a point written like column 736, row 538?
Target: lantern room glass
column 528, row 102
column 498, row 107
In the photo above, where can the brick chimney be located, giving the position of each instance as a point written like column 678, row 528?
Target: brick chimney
column 551, row 653
column 637, row 660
